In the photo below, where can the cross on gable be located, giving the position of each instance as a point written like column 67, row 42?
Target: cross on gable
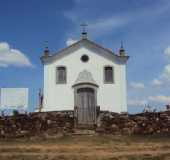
column 84, row 26
column 84, row 32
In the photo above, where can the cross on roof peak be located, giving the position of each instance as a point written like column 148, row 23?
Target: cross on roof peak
column 84, row 31
column 84, row 26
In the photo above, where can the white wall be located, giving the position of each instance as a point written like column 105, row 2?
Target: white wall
column 110, row 97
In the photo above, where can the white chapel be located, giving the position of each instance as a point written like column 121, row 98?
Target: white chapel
column 84, row 76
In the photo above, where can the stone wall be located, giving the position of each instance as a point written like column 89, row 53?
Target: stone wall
column 53, row 123
column 35, row 124
column 144, row 123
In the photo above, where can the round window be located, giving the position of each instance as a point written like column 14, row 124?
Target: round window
column 84, row 58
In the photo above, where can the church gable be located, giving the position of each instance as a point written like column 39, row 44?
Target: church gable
column 95, row 48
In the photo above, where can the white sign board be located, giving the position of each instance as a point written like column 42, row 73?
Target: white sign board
column 13, row 98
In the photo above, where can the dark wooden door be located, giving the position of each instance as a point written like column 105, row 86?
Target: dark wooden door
column 86, row 108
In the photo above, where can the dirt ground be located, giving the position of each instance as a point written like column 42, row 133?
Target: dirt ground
column 89, row 147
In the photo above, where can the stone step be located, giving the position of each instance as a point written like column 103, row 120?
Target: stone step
column 85, row 126
column 83, row 132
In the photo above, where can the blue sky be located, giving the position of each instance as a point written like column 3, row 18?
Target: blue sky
column 144, row 27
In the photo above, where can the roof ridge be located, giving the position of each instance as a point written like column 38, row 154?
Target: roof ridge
column 78, row 42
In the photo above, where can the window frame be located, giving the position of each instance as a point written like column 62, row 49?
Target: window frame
column 104, row 75
column 56, row 75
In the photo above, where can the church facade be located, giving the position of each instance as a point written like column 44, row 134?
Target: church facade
column 83, row 77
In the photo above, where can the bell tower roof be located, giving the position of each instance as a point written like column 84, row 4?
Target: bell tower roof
column 122, row 50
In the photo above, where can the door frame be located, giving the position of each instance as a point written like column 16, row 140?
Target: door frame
column 79, row 86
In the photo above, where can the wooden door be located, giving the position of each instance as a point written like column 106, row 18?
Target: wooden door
column 86, row 106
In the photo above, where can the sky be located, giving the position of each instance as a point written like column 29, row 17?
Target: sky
column 143, row 26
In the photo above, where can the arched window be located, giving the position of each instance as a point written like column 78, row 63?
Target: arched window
column 108, row 74
column 61, row 76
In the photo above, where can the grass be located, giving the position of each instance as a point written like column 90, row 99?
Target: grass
column 101, row 147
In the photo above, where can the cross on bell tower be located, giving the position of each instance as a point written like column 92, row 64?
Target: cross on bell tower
column 84, row 32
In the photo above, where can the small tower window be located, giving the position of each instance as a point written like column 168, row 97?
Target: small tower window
column 108, row 74
column 61, row 75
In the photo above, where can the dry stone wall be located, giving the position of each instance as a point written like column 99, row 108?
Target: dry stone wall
column 35, row 124
column 53, row 123
column 144, row 123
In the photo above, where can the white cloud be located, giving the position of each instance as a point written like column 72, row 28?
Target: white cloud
column 164, row 77
column 9, row 56
column 156, row 99
column 137, row 85
column 166, row 72
column 160, row 99
column 137, row 102
column 70, row 41
column 103, row 25
column 167, row 51
column 98, row 26
column 157, row 82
